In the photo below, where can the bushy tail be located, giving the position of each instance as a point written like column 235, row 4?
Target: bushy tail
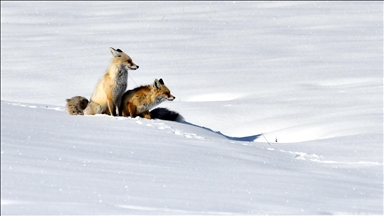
column 166, row 114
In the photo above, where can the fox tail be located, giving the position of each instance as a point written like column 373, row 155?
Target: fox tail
column 166, row 114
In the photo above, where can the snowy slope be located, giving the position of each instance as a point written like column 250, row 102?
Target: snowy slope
column 55, row 164
column 308, row 75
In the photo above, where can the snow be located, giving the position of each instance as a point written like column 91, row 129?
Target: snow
column 283, row 103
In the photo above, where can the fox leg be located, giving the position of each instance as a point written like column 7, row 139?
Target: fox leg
column 119, row 110
column 132, row 110
column 146, row 115
column 111, row 107
column 123, row 111
column 110, row 99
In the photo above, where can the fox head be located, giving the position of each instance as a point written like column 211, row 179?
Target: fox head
column 123, row 59
column 162, row 93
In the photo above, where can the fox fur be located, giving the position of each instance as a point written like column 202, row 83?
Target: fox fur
column 76, row 105
column 166, row 114
column 138, row 101
column 107, row 94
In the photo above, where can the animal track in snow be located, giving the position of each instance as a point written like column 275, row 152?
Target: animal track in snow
column 301, row 155
column 35, row 106
column 320, row 159
column 305, row 156
column 163, row 126
column 187, row 135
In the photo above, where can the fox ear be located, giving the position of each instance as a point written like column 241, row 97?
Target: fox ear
column 115, row 53
column 157, row 84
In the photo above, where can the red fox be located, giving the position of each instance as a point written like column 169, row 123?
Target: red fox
column 107, row 94
column 138, row 101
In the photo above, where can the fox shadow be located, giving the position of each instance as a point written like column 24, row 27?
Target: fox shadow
column 243, row 139
column 169, row 115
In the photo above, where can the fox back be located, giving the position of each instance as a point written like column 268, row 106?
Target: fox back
column 140, row 100
column 107, row 95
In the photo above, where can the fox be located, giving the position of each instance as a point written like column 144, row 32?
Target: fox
column 110, row 88
column 140, row 100
column 76, row 105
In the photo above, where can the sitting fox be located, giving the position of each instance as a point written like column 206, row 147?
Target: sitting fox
column 139, row 101
column 107, row 95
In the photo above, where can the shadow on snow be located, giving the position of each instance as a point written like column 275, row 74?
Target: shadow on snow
column 170, row 115
column 243, row 139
